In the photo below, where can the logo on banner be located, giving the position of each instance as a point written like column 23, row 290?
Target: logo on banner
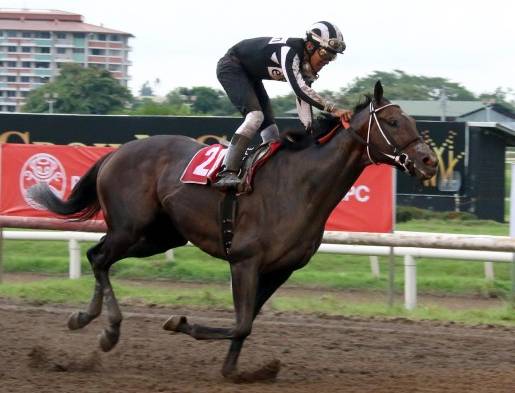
column 40, row 168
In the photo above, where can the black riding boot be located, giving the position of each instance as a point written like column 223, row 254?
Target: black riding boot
column 228, row 176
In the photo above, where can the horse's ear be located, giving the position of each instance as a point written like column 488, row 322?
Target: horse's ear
column 378, row 92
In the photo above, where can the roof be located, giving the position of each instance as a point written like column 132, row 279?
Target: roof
column 434, row 108
column 49, row 20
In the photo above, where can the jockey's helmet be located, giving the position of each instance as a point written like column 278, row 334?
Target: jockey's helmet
column 327, row 36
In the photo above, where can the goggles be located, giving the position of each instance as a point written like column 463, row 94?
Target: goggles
column 326, row 54
column 336, row 45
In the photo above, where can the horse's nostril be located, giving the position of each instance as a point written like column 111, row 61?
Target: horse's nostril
column 428, row 161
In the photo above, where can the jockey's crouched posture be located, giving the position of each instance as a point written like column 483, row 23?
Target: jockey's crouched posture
column 294, row 60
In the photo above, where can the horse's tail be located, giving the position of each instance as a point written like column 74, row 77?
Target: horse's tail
column 81, row 205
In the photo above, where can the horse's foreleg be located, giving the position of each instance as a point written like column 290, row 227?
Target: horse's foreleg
column 267, row 285
column 244, row 282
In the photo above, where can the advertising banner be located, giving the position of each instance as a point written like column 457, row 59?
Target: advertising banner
column 366, row 207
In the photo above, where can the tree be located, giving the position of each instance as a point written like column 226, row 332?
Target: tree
column 80, row 90
column 203, row 100
column 146, row 90
column 499, row 96
column 402, row 86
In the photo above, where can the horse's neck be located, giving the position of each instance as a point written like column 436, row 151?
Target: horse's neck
column 332, row 170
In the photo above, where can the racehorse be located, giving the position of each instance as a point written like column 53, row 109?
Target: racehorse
column 277, row 229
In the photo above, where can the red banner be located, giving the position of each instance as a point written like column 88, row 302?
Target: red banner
column 366, row 207
column 22, row 166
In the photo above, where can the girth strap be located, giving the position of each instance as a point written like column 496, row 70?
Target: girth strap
column 228, row 210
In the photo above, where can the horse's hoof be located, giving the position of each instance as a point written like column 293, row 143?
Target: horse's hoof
column 108, row 339
column 172, row 324
column 78, row 320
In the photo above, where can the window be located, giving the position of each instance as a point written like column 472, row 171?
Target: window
column 41, row 64
column 98, row 52
column 11, row 109
column 11, row 64
column 78, row 50
column 114, row 52
column 61, row 50
column 24, row 93
column 26, row 49
column 26, row 34
column 12, row 34
column 12, row 49
column 25, row 79
column 42, row 34
column 78, row 35
column 11, row 93
column 115, row 37
column 61, row 36
column 26, row 64
column 44, row 49
column 101, row 37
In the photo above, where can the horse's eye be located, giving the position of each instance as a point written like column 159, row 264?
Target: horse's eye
column 393, row 123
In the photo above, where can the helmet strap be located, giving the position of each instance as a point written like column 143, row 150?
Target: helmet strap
column 307, row 71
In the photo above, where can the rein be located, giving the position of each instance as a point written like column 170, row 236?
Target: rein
column 398, row 156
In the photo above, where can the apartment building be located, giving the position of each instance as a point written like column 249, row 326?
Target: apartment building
column 34, row 44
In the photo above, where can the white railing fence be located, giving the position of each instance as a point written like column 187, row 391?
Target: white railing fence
column 410, row 245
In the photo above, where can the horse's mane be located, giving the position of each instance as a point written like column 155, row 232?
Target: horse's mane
column 299, row 139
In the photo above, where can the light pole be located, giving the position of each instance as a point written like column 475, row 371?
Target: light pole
column 50, row 98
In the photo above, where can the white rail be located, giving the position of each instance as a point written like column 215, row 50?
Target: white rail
column 410, row 245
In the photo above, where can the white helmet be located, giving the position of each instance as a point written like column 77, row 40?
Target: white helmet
column 326, row 35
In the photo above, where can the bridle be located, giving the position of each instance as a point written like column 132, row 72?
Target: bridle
column 398, row 156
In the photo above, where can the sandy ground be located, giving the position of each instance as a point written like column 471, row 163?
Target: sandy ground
column 317, row 354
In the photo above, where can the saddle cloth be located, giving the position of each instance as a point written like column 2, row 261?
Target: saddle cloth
column 206, row 163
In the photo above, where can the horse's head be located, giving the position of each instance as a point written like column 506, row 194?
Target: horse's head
column 391, row 136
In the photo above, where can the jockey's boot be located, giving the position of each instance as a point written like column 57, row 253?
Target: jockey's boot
column 228, row 176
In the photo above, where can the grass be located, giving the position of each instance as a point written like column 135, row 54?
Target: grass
column 330, row 271
column 76, row 291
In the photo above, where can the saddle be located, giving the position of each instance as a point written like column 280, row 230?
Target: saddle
column 206, row 164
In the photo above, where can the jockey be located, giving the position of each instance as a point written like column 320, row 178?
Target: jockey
column 293, row 60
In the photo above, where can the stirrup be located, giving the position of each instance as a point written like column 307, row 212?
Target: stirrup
column 227, row 179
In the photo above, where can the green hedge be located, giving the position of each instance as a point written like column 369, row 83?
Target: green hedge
column 407, row 213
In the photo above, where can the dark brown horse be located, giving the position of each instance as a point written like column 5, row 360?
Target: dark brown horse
column 277, row 229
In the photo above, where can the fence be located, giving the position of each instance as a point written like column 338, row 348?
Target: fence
column 410, row 245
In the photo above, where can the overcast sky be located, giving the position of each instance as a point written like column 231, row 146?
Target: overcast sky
column 180, row 42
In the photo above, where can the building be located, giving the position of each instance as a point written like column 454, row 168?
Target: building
column 34, row 44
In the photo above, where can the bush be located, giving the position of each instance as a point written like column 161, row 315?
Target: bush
column 407, row 213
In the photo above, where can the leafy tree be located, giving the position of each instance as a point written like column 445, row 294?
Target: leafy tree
column 203, row 100
column 283, row 104
column 146, row 90
column 80, row 90
column 148, row 107
column 500, row 96
column 403, row 86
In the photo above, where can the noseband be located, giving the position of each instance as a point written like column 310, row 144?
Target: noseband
column 398, row 156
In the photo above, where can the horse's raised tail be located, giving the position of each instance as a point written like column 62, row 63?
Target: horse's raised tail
column 81, row 205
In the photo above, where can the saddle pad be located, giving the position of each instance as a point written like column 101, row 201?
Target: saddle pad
column 205, row 165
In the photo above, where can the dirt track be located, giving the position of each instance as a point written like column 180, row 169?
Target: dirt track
column 38, row 353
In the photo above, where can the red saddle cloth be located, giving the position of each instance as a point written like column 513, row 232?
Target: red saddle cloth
column 206, row 163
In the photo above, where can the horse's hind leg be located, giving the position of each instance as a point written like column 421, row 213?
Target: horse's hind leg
column 111, row 248
column 80, row 319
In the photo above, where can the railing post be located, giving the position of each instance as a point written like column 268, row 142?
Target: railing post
column 374, row 266
column 170, row 255
column 1, row 254
column 391, row 277
column 74, row 251
column 410, row 282
column 489, row 271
